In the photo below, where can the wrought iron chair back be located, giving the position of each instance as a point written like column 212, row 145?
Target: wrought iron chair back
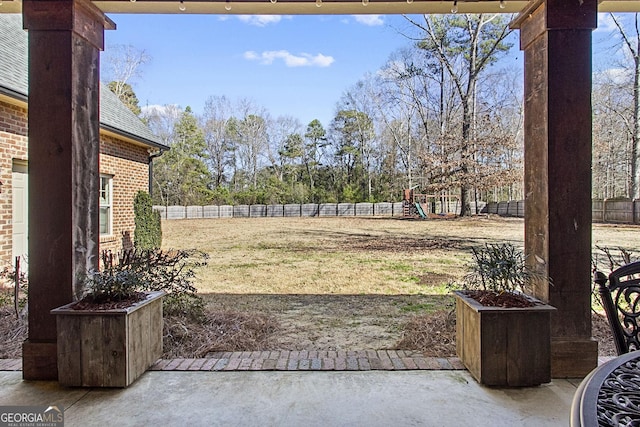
column 621, row 302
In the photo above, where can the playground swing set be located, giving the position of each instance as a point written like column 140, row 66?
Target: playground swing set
column 429, row 206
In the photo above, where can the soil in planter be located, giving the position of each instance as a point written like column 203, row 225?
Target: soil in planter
column 108, row 304
column 500, row 299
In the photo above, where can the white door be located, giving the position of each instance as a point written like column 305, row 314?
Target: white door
column 20, row 210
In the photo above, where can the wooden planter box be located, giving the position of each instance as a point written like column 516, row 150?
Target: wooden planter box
column 108, row 348
column 504, row 346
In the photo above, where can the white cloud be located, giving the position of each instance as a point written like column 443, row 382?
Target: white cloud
column 261, row 20
column 614, row 75
column 168, row 110
column 251, row 55
column 370, row 20
column 605, row 23
column 289, row 59
column 392, row 69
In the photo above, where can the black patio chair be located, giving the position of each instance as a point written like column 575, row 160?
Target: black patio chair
column 621, row 302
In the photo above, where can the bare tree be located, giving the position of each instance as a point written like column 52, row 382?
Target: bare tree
column 161, row 119
column 279, row 149
column 464, row 46
column 632, row 44
column 361, row 99
column 218, row 113
column 417, row 106
column 498, row 138
column 251, row 138
column 612, row 135
column 122, row 66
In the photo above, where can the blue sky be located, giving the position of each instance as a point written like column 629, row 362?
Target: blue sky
column 291, row 65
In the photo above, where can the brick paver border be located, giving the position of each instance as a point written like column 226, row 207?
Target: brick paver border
column 285, row 360
column 362, row 360
column 10, row 364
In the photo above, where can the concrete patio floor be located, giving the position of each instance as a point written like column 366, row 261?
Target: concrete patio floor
column 299, row 398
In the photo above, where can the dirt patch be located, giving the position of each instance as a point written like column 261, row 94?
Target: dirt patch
column 433, row 279
column 347, row 322
column 333, row 322
column 397, row 244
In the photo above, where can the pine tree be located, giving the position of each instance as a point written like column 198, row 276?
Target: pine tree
column 181, row 174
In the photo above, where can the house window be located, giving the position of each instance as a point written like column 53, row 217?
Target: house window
column 106, row 202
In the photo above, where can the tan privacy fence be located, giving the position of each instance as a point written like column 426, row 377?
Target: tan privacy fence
column 614, row 211
column 288, row 210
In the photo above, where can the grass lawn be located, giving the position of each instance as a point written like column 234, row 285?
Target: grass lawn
column 331, row 283
column 344, row 283
column 353, row 256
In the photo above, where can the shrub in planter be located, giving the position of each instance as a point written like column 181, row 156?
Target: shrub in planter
column 497, row 275
column 114, row 333
column 170, row 271
column 503, row 336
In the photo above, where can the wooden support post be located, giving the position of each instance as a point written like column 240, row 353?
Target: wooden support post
column 65, row 37
column 556, row 38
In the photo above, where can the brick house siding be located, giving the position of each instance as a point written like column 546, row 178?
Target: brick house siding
column 126, row 162
column 128, row 165
column 13, row 146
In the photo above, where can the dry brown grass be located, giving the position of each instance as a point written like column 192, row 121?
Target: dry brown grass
column 331, row 255
column 346, row 255
column 434, row 334
column 13, row 332
column 221, row 331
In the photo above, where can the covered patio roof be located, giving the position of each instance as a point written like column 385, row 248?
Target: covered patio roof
column 324, row 7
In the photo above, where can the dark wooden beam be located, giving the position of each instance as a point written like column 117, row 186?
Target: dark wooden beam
column 65, row 38
column 556, row 39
